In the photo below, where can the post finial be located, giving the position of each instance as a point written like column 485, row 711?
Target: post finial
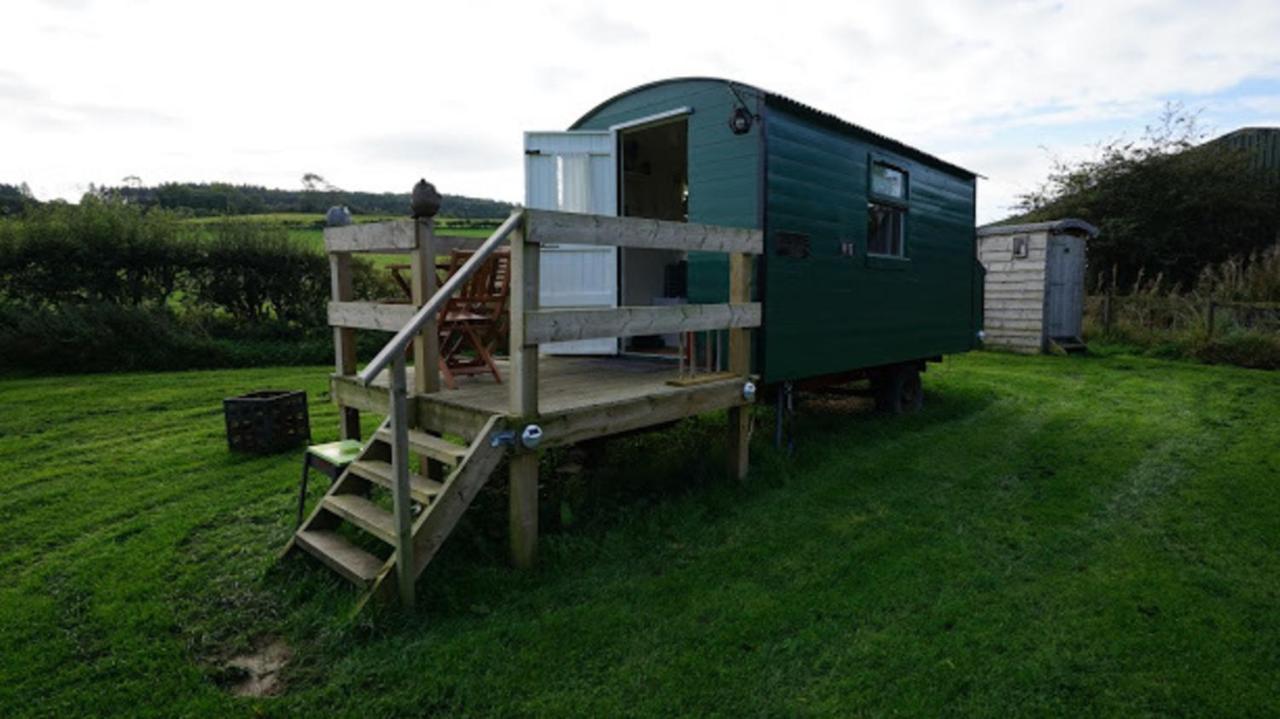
column 425, row 201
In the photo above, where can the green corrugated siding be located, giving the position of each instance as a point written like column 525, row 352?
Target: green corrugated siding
column 831, row 313
column 828, row 313
column 724, row 169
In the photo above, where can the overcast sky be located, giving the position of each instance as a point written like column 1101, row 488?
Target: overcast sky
column 373, row 95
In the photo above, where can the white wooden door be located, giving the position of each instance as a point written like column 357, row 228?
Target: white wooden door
column 574, row 172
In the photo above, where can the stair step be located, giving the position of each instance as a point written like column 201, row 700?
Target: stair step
column 422, row 490
column 1070, row 344
column 429, row 445
column 342, row 556
column 364, row 514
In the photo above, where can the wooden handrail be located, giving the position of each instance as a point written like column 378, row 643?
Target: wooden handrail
column 548, row 227
column 401, row 341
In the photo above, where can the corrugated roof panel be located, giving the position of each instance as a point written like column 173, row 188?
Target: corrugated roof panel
column 785, row 101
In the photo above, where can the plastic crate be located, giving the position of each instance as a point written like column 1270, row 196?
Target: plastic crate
column 267, row 421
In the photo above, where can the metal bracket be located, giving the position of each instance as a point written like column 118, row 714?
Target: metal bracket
column 505, row 437
column 529, row 437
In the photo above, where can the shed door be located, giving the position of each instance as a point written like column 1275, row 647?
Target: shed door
column 1066, row 286
column 574, row 172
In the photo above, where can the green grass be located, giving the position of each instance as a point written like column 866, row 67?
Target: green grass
column 1052, row 536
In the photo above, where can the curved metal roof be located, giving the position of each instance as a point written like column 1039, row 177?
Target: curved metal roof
column 1069, row 224
column 785, row 101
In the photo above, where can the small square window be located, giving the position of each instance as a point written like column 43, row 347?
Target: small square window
column 885, row 225
column 1021, row 247
column 888, row 182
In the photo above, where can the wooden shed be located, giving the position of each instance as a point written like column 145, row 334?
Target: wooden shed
column 1033, row 297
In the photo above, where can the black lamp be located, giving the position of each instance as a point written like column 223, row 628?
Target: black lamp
column 740, row 121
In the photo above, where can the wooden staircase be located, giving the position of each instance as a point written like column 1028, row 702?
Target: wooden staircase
column 360, row 499
column 380, row 524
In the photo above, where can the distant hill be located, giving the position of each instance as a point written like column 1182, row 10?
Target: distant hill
column 217, row 198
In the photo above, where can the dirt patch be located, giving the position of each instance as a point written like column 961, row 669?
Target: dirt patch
column 257, row 674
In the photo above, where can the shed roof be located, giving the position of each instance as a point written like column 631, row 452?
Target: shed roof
column 1066, row 225
column 795, row 105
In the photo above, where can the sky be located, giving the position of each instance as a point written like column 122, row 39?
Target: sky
column 373, row 95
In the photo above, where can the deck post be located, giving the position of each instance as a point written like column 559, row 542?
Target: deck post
column 426, row 347
column 344, row 339
column 739, row 364
column 401, row 500
column 523, row 384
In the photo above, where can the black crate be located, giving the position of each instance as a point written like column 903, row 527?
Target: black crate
column 267, row 421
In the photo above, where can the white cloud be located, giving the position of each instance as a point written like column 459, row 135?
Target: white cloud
column 381, row 93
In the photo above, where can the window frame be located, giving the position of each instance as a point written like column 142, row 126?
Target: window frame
column 899, row 203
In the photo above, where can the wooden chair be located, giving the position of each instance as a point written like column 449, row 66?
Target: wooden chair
column 475, row 318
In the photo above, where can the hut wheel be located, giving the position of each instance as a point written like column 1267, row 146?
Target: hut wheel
column 898, row 390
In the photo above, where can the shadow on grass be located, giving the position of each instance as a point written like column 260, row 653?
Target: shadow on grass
column 587, row 495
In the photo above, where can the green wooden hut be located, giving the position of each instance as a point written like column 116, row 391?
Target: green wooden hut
column 870, row 243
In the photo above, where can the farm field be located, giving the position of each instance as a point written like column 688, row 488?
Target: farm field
column 1051, row 536
column 307, row 229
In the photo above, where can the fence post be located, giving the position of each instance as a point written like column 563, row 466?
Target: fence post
column 344, row 339
column 1107, row 310
column 426, row 347
column 523, row 497
column 739, row 364
column 401, row 501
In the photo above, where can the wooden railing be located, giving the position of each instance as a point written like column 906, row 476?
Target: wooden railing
column 526, row 231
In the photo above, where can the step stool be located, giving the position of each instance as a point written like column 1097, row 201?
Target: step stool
column 331, row 458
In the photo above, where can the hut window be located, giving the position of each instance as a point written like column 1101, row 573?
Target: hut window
column 1021, row 247
column 884, row 229
column 886, row 210
column 888, row 182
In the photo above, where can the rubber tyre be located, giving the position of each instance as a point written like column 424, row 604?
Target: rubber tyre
column 899, row 391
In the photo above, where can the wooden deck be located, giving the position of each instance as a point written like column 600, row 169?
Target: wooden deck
column 578, row 397
column 457, row 438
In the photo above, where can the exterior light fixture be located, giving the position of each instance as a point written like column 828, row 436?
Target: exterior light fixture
column 740, row 121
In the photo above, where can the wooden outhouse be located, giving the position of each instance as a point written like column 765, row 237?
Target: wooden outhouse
column 1033, row 297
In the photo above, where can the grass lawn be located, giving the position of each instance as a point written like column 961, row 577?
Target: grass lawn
column 1052, row 536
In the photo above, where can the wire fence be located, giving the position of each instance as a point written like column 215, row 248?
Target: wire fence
column 1148, row 313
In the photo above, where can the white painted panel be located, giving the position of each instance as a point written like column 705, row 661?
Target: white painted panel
column 574, row 172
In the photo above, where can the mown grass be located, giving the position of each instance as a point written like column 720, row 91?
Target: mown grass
column 1052, row 536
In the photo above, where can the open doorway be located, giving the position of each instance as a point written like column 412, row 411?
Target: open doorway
column 654, row 183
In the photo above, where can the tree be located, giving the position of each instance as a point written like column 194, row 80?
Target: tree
column 311, row 182
column 1166, row 204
